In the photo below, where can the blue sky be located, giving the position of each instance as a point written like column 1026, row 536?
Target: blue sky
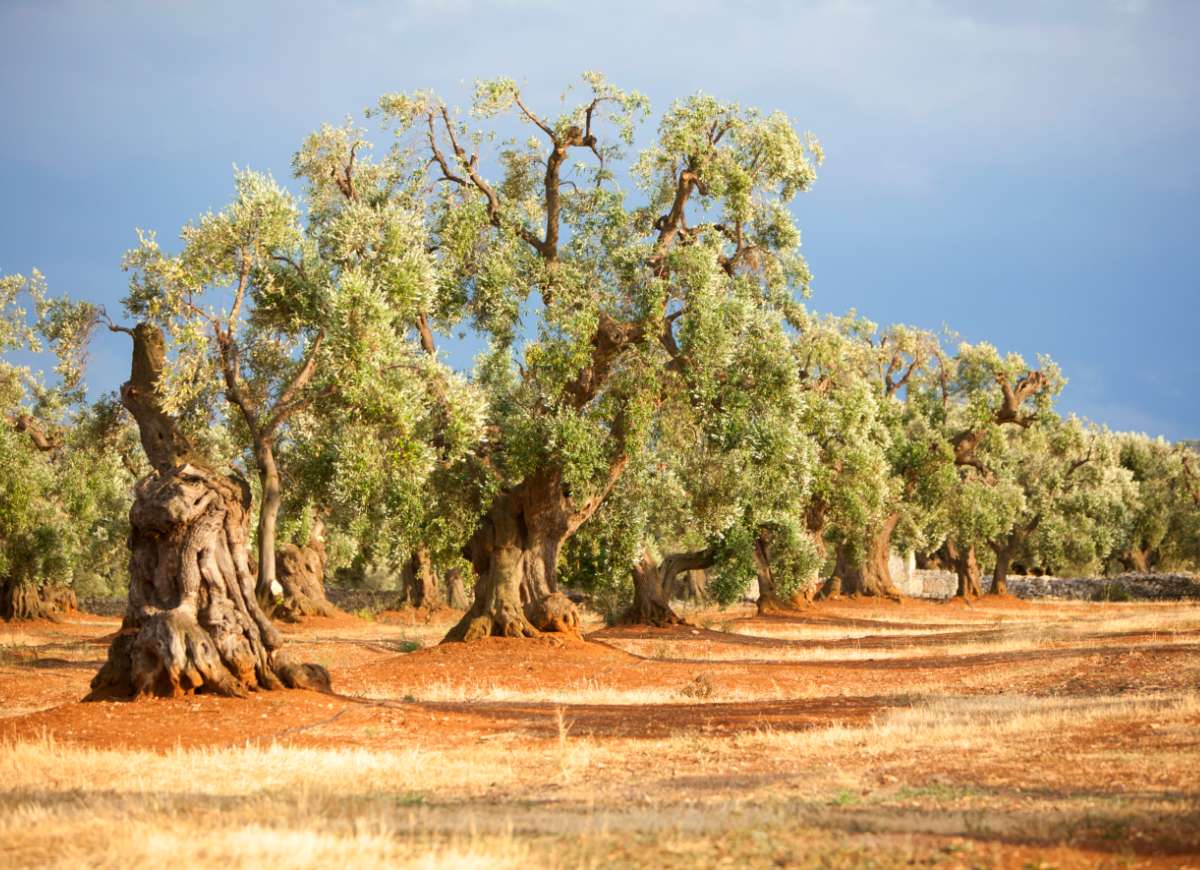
column 1023, row 172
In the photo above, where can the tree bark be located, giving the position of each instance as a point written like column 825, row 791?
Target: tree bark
column 192, row 623
column 652, row 585
column 1139, row 559
column 769, row 599
column 514, row 552
column 966, row 567
column 456, row 593
column 1000, row 572
column 20, row 601
column 418, row 581
column 300, row 572
column 268, row 517
column 651, row 604
column 689, row 586
column 869, row 577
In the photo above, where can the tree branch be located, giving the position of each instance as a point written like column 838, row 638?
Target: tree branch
column 287, row 403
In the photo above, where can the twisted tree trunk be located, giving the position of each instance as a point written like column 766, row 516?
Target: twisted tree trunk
column 192, row 622
column 1140, row 559
column 419, row 582
column 652, row 585
column 21, row 600
column 300, row 572
column 869, row 576
column 966, row 567
column 769, row 599
column 514, row 552
column 690, row 586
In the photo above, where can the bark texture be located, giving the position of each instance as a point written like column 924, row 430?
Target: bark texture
column 1139, row 559
column 966, row 567
column 769, row 599
column 514, row 553
column 456, row 592
column 1000, row 572
column 869, row 576
column 300, row 572
column 690, row 586
column 652, row 585
column 192, row 622
column 268, row 521
column 419, row 582
column 28, row 601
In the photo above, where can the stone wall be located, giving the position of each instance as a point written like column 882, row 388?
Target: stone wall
column 1123, row 587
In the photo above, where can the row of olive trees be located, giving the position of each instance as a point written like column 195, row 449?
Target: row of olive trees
column 876, row 441
column 651, row 396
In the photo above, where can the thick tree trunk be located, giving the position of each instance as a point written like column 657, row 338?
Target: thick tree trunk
column 876, row 576
column 652, row 585
column 514, row 552
column 500, row 551
column 20, row 601
column 456, row 593
column 870, row 576
column 769, row 599
column 192, row 622
column 268, row 516
column 966, row 567
column 690, row 586
column 651, row 600
column 1139, row 559
column 1000, row 572
column 418, row 581
column 300, row 572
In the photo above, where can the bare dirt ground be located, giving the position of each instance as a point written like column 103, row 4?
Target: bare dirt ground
column 1007, row 734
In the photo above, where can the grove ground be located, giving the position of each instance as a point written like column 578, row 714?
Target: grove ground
column 855, row 733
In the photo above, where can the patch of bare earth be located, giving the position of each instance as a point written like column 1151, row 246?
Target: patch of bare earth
column 854, row 733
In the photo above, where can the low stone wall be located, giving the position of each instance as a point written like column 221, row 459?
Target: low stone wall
column 1122, row 587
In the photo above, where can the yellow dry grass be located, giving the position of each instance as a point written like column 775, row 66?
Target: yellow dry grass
column 942, row 775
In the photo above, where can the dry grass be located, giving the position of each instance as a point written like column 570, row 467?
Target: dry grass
column 1026, row 640
column 1001, row 778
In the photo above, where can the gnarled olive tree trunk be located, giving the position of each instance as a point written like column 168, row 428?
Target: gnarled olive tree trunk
column 690, row 586
column 966, row 567
column 268, row 520
column 652, row 585
column 192, row 622
column 1005, row 550
column 1004, row 557
column 869, row 576
column 22, row 600
column 419, row 582
column 514, row 552
column 300, row 572
column 769, row 599
column 1139, row 558
column 456, row 592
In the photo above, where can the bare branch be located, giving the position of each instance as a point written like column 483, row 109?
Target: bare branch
column 546, row 128
column 426, row 335
column 287, row 403
column 42, row 440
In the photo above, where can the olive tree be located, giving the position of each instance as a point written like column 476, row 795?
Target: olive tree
column 613, row 288
column 63, row 496
column 881, row 468
column 1069, row 500
column 982, row 394
column 1164, row 528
